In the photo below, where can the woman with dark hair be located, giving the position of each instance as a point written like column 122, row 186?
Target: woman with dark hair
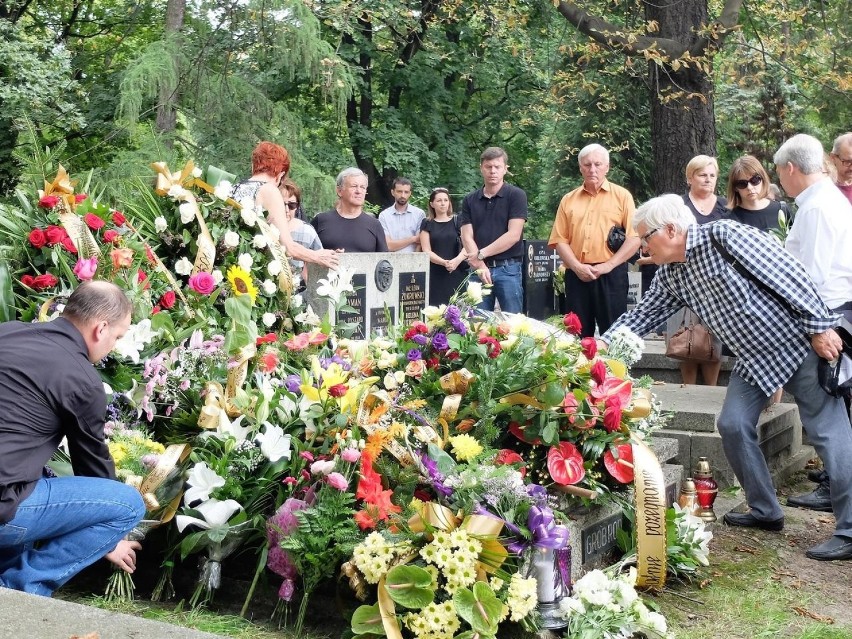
column 270, row 164
column 439, row 239
column 300, row 231
column 748, row 195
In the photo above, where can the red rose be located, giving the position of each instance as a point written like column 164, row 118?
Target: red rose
column 149, row 254
column 68, row 245
column 598, row 371
column 55, row 234
column 168, row 299
column 453, row 355
column 48, row 201
column 432, row 362
column 506, row 457
column 37, row 238
column 45, row 280
column 590, row 347
column 111, row 236
column 338, row 390
column 80, row 197
column 27, row 280
column 572, row 323
column 118, row 218
column 142, row 278
column 156, row 310
column 93, row 221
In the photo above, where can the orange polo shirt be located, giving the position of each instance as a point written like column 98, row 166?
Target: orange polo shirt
column 583, row 221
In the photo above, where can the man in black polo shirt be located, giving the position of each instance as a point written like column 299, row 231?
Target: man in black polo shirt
column 52, row 528
column 492, row 226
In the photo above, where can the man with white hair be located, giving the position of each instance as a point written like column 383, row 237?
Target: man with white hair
column 596, row 278
column 841, row 155
column 759, row 300
column 346, row 227
column 821, row 238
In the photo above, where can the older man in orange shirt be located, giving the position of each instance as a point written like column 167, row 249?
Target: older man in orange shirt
column 596, row 276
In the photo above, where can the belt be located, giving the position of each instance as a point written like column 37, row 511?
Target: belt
column 506, row 262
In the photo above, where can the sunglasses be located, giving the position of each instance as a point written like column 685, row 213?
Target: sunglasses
column 292, row 205
column 754, row 180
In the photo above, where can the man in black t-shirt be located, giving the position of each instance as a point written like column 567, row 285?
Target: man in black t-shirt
column 346, row 227
column 492, row 226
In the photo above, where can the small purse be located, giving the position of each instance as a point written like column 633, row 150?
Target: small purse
column 615, row 238
column 692, row 342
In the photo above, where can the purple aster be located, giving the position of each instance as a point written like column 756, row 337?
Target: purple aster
column 292, row 383
column 414, row 354
column 439, row 342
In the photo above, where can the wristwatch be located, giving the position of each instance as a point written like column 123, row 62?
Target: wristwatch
column 480, row 256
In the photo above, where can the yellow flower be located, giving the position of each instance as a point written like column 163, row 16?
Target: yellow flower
column 465, row 447
column 241, row 282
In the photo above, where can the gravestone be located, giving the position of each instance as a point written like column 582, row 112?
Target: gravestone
column 540, row 300
column 390, row 289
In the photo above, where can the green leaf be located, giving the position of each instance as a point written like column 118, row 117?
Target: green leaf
column 479, row 607
column 446, row 464
column 368, row 619
column 410, row 586
column 553, row 394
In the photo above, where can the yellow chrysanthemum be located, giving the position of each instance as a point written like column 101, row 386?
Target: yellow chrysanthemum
column 465, row 447
column 241, row 283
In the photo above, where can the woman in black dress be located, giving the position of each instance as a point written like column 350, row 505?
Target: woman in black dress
column 748, row 195
column 439, row 239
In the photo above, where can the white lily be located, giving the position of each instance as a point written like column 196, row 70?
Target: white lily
column 214, row 513
column 202, row 481
column 134, row 340
column 274, row 444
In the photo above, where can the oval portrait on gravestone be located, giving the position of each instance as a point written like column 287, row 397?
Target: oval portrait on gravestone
column 384, row 275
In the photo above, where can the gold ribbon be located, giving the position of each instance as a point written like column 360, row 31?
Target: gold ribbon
column 640, row 406
column 455, row 384
column 79, row 233
column 213, row 413
column 62, row 187
column 379, row 402
column 650, row 491
column 148, row 486
column 166, row 179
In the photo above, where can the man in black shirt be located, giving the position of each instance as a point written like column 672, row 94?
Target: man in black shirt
column 347, row 227
column 50, row 390
column 492, row 226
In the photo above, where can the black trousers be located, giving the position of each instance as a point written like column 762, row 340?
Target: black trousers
column 599, row 302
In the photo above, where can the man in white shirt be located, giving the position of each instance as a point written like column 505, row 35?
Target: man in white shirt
column 820, row 238
column 402, row 221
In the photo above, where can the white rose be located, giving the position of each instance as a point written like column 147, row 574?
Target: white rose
column 268, row 319
column 231, row 239
column 245, row 261
column 223, row 190
column 269, row 287
column 273, row 268
column 259, row 242
column 196, row 172
column 218, row 276
column 177, row 192
column 296, row 301
column 187, row 212
column 248, row 216
column 183, row 266
column 160, row 224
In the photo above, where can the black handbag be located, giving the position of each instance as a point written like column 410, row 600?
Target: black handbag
column 615, row 238
column 835, row 376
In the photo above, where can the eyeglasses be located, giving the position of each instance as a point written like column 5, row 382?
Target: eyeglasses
column 644, row 239
column 754, row 180
column 846, row 163
column 292, row 205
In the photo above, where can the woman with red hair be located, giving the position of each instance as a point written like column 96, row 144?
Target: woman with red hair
column 270, row 164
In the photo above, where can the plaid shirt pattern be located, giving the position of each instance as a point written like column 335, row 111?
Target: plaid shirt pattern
column 770, row 340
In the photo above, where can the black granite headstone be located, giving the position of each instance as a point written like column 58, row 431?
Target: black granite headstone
column 600, row 537
column 539, row 264
column 412, row 296
column 358, row 302
column 381, row 319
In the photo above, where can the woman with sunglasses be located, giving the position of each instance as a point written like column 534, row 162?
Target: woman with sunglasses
column 748, row 195
column 302, row 233
column 439, row 239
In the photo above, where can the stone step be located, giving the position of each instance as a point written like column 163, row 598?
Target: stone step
column 655, row 364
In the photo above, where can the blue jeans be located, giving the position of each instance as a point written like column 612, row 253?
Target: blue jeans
column 824, row 419
column 507, row 288
column 76, row 520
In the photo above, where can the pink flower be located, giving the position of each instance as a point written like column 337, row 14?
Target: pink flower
column 351, row 455
column 93, row 221
column 338, row 481
column 202, row 283
column 590, row 347
column 565, row 464
column 48, row 201
column 572, row 323
column 598, row 371
column 306, row 454
column 85, row 268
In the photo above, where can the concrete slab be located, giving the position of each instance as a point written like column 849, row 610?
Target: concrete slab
column 25, row 615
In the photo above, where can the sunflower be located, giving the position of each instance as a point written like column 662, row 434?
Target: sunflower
column 241, row 283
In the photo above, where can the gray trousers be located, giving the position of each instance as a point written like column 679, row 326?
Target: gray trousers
column 826, row 422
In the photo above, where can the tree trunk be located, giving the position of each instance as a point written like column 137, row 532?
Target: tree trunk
column 166, row 114
column 682, row 116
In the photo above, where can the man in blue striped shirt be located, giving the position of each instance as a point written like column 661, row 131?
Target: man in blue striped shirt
column 768, row 312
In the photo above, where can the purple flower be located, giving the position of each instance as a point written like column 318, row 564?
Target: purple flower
column 459, row 327
column 325, row 362
column 292, row 383
column 414, row 354
column 436, row 476
column 439, row 342
column 420, row 339
column 452, row 314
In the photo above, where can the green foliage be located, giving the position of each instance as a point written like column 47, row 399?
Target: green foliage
column 411, row 586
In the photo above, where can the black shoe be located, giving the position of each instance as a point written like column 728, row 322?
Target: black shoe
column 747, row 520
column 818, row 475
column 834, row 549
column 820, row 499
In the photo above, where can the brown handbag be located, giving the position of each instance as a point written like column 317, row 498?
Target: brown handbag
column 692, row 342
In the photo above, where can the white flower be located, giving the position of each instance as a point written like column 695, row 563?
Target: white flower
column 274, row 444
column 273, row 268
column 231, row 239
column 245, row 261
column 177, row 192
column 223, row 190
column 202, row 481
column 475, row 292
column 187, row 212
column 322, row 467
column 247, row 213
column 433, row 313
column 296, row 301
column 308, row 317
column 214, row 513
column 338, row 283
column 269, row 319
column 394, row 380
column 197, row 172
column 218, row 276
column 160, row 224
column 183, row 266
column 134, row 340
column 259, row 242
column 269, row 287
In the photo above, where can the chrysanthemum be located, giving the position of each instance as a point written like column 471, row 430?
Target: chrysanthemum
column 241, row 283
column 465, row 447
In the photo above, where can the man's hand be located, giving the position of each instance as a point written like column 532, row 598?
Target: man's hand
column 328, row 258
column 601, row 269
column 124, row 555
column 484, row 275
column 827, row 344
column 585, row 272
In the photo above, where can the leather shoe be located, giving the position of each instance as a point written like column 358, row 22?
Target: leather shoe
column 819, row 499
column 817, row 475
column 834, row 549
column 748, row 520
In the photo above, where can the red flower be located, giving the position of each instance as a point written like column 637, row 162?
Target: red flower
column 612, row 419
column 365, row 520
column 494, row 348
column 370, row 490
column 269, row 338
column 150, row 255
column 590, row 347
column 142, row 278
column 168, row 299
column 48, row 201
column 93, row 221
column 55, row 235
column 565, row 464
column 453, row 355
column 598, row 371
column 27, row 280
column 118, row 218
column 338, row 390
column 518, row 431
column 417, row 328
column 111, row 236
column 156, row 310
column 613, row 392
column 316, row 338
column 80, row 197
column 269, row 362
column 621, row 468
column 37, row 238
column 506, row 457
column 572, row 323
column 432, row 362
column 45, row 281
column 68, row 245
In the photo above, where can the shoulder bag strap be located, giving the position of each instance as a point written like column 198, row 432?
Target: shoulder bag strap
column 742, row 270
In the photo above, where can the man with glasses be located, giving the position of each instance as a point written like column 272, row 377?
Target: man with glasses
column 401, row 221
column 841, row 155
column 596, row 279
column 758, row 299
column 346, row 227
column 821, row 238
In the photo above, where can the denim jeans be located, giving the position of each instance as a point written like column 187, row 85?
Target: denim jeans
column 75, row 520
column 507, row 288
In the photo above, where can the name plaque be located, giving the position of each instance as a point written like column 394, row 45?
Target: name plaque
column 600, row 537
column 358, row 302
column 412, row 296
column 381, row 319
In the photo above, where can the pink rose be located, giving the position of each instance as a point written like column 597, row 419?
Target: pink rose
column 93, row 221
column 202, row 283
column 85, row 268
column 351, row 455
column 111, row 236
column 415, row 368
column 338, row 481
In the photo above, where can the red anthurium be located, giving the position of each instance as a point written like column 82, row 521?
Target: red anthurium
column 269, row 338
column 565, row 464
column 518, row 431
column 621, row 468
column 598, row 372
column 572, row 323
column 590, row 347
column 613, row 392
column 298, row 342
column 316, row 338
